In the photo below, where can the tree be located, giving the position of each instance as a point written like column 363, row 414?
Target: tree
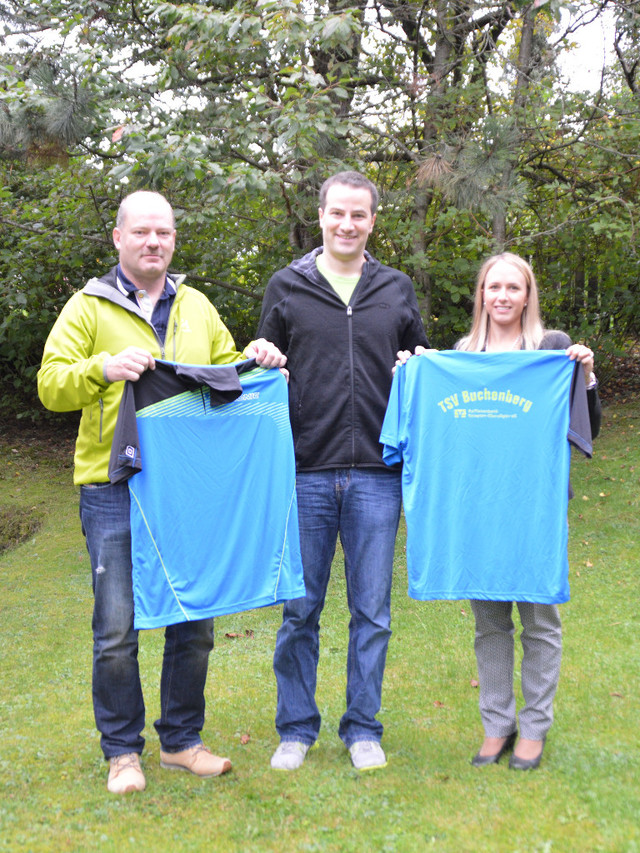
column 238, row 110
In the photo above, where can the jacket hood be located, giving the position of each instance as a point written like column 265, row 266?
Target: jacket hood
column 106, row 287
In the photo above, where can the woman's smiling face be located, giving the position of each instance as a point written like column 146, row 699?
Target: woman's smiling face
column 505, row 294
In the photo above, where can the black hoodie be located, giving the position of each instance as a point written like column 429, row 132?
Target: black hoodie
column 340, row 357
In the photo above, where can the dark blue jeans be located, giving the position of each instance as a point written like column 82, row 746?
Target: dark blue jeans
column 363, row 508
column 117, row 694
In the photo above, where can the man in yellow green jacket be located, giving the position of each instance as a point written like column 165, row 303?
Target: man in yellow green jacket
column 111, row 331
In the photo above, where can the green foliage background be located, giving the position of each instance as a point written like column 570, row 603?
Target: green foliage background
column 238, row 110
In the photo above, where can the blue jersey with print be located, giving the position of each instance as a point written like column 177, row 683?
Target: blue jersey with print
column 214, row 523
column 483, row 441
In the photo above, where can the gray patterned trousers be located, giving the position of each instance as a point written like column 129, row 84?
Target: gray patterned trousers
column 542, row 652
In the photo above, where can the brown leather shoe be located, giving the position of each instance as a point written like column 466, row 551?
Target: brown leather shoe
column 197, row 760
column 125, row 774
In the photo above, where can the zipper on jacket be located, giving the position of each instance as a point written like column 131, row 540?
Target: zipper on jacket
column 160, row 343
column 353, row 388
column 163, row 343
column 101, row 407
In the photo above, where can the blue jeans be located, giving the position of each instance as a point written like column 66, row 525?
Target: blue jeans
column 363, row 507
column 117, row 694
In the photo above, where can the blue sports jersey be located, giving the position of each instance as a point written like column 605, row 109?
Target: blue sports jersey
column 214, row 523
column 483, row 438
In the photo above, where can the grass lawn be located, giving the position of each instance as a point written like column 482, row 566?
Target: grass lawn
column 584, row 797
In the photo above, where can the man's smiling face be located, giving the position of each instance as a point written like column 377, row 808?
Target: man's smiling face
column 346, row 222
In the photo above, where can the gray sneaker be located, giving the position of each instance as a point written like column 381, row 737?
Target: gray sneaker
column 367, row 755
column 289, row 755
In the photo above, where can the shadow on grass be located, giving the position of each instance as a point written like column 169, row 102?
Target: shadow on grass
column 17, row 523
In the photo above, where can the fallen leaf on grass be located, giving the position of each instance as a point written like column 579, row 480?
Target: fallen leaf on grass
column 232, row 635
column 245, row 738
column 441, row 777
column 474, row 682
column 617, row 695
column 438, row 704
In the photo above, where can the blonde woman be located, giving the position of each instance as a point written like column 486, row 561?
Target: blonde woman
column 506, row 317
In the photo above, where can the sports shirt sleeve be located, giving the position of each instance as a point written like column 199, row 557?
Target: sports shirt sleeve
column 585, row 409
column 579, row 418
column 166, row 381
column 391, row 436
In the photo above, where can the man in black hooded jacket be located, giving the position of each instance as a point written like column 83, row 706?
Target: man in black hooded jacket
column 340, row 317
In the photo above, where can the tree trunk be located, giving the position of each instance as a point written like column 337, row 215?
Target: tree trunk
column 523, row 72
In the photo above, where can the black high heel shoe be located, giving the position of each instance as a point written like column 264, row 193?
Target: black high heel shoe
column 483, row 760
column 516, row 763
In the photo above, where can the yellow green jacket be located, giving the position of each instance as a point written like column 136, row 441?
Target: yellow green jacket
column 99, row 321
